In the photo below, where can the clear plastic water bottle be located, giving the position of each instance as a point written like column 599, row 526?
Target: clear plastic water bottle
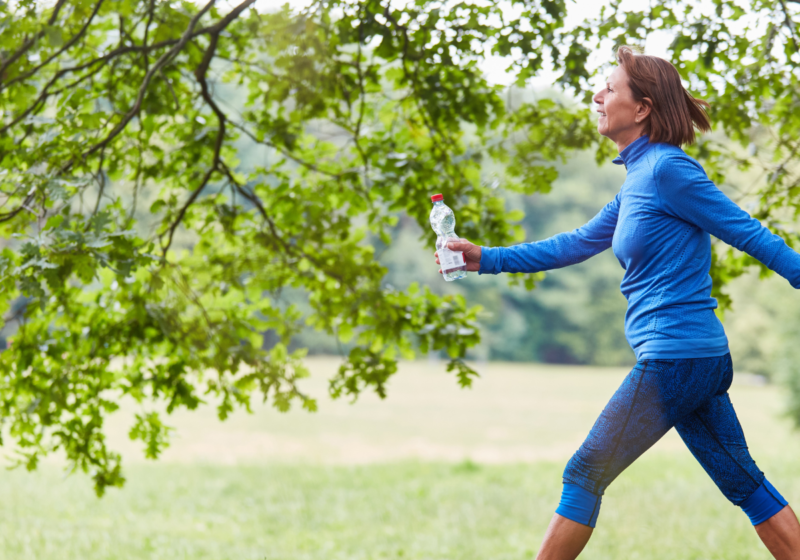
column 443, row 222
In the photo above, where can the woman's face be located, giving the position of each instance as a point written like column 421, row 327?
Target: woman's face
column 621, row 117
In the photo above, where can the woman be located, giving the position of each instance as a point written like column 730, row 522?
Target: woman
column 658, row 226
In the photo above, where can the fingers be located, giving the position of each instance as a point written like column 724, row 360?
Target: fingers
column 472, row 252
column 465, row 246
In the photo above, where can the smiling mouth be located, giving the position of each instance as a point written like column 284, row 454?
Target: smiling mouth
column 602, row 114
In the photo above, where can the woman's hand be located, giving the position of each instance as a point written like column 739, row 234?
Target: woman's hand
column 471, row 251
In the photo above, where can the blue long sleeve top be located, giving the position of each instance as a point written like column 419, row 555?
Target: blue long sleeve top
column 658, row 226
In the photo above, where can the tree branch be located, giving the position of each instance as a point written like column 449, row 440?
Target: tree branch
column 108, row 57
column 171, row 90
column 150, row 15
column 287, row 247
column 162, row 61
column 789, row 24
column 200, row 74
column 56, row 54
column 30, row 42
column 101, row 184
column 177, row 45
column 185, row 207
column 285, row 152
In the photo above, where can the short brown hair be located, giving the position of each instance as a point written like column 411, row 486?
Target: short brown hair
column 675, row 113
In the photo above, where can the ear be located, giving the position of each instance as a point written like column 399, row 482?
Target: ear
column 644, row 109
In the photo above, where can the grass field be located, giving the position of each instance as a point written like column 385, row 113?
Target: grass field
column 433, row 472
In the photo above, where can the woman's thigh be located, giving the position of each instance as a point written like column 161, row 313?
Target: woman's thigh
column 651, row 399
column 715, row 437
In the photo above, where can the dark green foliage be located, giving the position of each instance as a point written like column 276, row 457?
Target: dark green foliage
column 152, row 262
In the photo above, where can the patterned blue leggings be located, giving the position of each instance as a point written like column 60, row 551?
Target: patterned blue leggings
column 692, row 396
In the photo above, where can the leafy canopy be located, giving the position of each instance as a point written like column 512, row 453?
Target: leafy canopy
column 145, row 260
column 151, row 262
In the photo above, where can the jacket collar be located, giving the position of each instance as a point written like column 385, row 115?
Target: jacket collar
column 633, row 151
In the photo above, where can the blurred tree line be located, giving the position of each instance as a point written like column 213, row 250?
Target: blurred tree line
column 575, row 315
column 558, row 321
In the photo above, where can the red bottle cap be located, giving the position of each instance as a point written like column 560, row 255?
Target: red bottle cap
column 437, row 197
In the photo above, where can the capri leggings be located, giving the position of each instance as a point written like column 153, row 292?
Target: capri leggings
column 692, row 396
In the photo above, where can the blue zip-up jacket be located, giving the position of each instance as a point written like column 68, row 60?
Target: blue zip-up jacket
column 659, row 226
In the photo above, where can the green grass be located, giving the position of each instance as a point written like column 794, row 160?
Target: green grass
column 662, row 508
column 213, row 499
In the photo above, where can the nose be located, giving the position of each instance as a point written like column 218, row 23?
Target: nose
column 598, row 97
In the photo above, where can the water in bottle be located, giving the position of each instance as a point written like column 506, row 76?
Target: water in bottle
column 443, row 222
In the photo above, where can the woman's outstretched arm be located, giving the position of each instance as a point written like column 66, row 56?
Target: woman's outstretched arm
column 687, row 193
column 558, row 251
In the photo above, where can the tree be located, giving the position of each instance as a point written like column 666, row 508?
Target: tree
column 364, row 110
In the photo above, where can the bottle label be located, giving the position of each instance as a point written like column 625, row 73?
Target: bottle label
column 451, row 259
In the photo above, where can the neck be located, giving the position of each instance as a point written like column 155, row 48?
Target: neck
column 629, row 138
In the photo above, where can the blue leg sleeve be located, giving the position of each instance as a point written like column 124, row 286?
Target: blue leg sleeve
column 763, row 503
column 579, row 505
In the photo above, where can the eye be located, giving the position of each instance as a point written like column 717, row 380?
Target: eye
column 608, row 88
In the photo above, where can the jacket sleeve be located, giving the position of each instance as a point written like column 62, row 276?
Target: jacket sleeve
column 687, row 193
column 558, row 251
